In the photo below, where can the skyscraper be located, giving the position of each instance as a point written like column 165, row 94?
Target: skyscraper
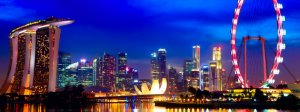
column 130, row 78
column 95, row 67
column 154, row 66
column 196, row 57
column 181, row 83
column 162, row 63
column 121, row 74
column 204, row 77
column 34, row 53
column 99, row 76
column 216, row 70
column 64, row 60
column 72, row 71
column 173, row 77
column 188, row 67
column 108, row 72
column 85, row 73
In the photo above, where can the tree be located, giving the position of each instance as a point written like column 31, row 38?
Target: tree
column 192, row 90
column 289, row 101
column 259, row 96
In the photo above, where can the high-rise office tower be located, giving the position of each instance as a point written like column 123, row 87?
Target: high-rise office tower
column 180, row 83
column 130, row 78
column 121, row 74
column 109, row 72
column 154, row 66
column 135, row 76
column 95, row 67
column 173, row 77
column 85, row 73
column 99, row 76
column 213, row 76
column 204, row 77
column 188, row 67
column 162, row 63
column 72, row 71
column 194, row 79
column 196, row 57
column 64, row 60
column 34, row 53
column 195, row 76
column 216, row 70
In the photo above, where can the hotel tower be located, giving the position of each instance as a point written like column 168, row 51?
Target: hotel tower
column 33, row 57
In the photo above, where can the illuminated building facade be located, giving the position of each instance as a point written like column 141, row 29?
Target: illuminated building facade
column 154, row 66
column 216, row 70
column 99, row 76
column 180, row 84
column 72, row 72
column 156, row 88
column 173, row 77
column 122, row 71
column 194, row 79
column 162, row 63
column 188, row 67
column 95, row 67
column 130, row 78
column 204, row 77
column 64, row 60
column 85, row 73
column 108, row 72
column 135, row 76
column 34, row 53
column 196, row 57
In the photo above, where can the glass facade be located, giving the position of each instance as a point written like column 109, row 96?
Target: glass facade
column 42, row 59
column 18, row 77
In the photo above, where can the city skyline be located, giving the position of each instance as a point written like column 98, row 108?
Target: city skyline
column 140, row 37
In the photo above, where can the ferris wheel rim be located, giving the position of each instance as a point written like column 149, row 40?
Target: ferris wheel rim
column 280, row 45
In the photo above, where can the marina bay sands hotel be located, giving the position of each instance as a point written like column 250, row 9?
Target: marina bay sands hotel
column 33, row 61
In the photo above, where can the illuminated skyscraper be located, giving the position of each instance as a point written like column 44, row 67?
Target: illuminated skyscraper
column 154, row 66
column 64, row 60
column 85, row 73
column 99, row 76
column 162, row 63
column 130, row 79
column 196, row 57
column 216, row 70
column 34, row 53
column 204, row 77
column 213, row 76
column 121, row 75
column 72, row 72
column 108, row 72
column 95, row 67
column 188, row 67
column 173, row 77
column 135, row 76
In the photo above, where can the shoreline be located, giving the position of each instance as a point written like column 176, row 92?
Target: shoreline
column 237, row 105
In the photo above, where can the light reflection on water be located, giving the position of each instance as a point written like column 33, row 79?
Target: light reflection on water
column 118, row 107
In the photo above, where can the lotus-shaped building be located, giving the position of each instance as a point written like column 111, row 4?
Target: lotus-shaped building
column 155, row 87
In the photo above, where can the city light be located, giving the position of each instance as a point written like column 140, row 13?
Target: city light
column 82, row 60
column 115, row 58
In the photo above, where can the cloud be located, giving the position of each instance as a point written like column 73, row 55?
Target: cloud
column 10, row 12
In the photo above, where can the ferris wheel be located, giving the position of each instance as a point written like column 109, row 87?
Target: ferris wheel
column 278, row 54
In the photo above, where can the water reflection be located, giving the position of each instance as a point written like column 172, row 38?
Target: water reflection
column 116, row 107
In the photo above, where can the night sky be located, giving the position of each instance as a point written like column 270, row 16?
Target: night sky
column 140, row 27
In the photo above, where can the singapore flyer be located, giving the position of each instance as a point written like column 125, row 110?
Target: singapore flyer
column 280, row 46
